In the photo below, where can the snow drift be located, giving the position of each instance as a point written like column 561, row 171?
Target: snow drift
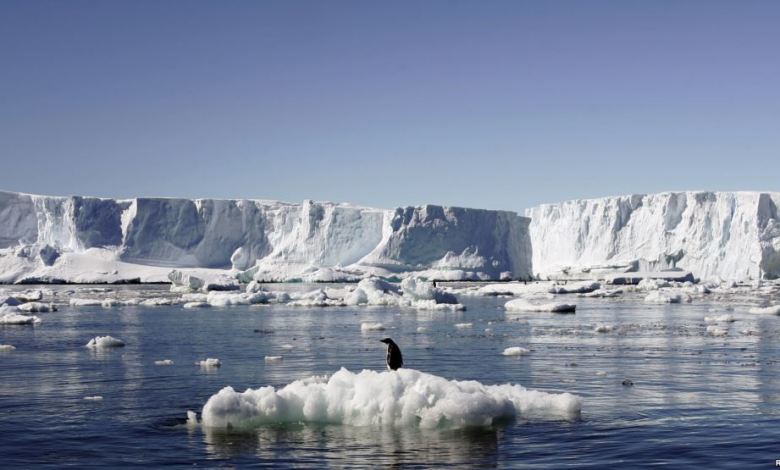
column 84, row 239
column 719, row 236
column 405, row 397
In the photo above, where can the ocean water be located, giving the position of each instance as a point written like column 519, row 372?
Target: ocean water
column 696, row 400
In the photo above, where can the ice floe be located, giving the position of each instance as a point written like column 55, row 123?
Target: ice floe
column 523, row 305
column 405, row 397
column 209, row 363
column 516, row 351
column 771, row 310
column 7, row 348
column 164, row 362
column 99, row 342
column 371, row 326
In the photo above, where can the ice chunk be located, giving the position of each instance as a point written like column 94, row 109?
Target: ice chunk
column 725, row 318
column 209, row 363
column 516, row 351
column 196, row 305
column 667, row 297
column 77, row 302
column 164, row 362
column 771, row 310
column 603, row 328
column 37, row 307
column 94, row 398
column 522, row 305
column 714, row 330
column 273, row 358
column 105, row 342
column 575, row 288
column 405, row 397
column 184, row 282
column 10, row 316
column 370, row 326
column 463, row 326
column 192, row 418
column 7, row 348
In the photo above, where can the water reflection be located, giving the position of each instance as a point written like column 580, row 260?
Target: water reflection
column 359, row 446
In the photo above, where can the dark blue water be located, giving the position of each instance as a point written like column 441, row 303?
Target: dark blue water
column 697, row 400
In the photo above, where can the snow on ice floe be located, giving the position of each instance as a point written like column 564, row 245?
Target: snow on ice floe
column 209, row 363
column 7, row 348
column 371, row 326
column 663, row 296
column 523, row 305
column 164, row 362
column 575, row 288
column 516, row 351
column 405, row 397
column 37, row 307
column 100, row 342
column 11, row 316
column 771, row 310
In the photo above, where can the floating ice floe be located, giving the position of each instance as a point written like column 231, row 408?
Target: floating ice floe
column 273, row 358
column 771, row 310
column 603, row 328
column 192, row 418
column 725, row 318
column 164, row 362
column 522, row 305
column 667, row 297
column 603, row 293
column 7, row 348
column 714, row 330
column 209, row 363
column 516, row 351
column 575, row 288
column 421, row 329
column 78, row 302
column 99, row 342
column 370, row 326
column 37, row 307
column 463, row 326
column 11, row 316
column 196, row 305
column 94, row 398
column 405, row 397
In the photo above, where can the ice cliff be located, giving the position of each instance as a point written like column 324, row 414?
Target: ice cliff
column 722, row 235
column 84, row 239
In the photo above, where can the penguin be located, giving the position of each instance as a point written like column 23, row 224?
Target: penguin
column 394, row 357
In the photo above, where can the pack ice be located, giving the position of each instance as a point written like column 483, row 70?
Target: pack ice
column 86, row 239
column 716, row 236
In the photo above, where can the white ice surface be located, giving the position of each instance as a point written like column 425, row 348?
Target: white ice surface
column 523, row 305
column 99, row 342
column 405, row 397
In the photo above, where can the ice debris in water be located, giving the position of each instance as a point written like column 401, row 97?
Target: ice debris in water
column 714, row 330
column 7, row 348
column 196, row 305
column 522, row 305
column 725, row 318
column 667, row 297
column 405, row 397
column 37, row 307
column 462, row 326
column 575, row 288
column 164, row 362
column 77, row 302
column 192, row 418
column 771, row 310
column 209, row 363
column 105, row 342
column 11, row 316
column 94, row 398
column 370, row 326
column 273, row 358
column 602, row 328
column 515, row 351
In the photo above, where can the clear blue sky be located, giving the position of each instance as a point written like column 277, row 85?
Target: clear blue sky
column 483, row 104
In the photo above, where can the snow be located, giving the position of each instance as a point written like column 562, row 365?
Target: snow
column 10, row 316
column 99, row 342
column 771, row 310
column 714, row 235
column 370, row 326
column 405, row 397
column 209, row 363
column 516, row 351
column 84, row 239
column 523, row 305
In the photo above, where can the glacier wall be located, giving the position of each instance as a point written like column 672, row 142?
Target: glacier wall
column 715, row 235
column 268, row 239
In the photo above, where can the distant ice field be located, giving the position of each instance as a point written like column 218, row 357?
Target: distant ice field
column 692, row 382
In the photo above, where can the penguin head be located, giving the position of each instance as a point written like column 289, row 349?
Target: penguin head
column 386, row 341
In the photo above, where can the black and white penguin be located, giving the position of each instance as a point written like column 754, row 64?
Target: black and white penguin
column 394, row 357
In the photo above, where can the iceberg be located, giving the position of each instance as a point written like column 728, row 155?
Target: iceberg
column 714, row 235
column 405, row 397
column 89, row 240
